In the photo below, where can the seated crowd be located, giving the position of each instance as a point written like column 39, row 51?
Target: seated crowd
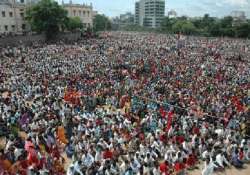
column 125, row 104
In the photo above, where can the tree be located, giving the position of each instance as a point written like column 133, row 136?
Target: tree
column 207, row 21
column 227, row 22
column 101, row 22
column 74, row 23
column 226, row 26
column 242, row 30
column 185, row 27
column 48, row 17
column 215, row 29
column 188, row 28
column 167, row 24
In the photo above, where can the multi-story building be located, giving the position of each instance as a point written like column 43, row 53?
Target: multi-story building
column 83, row 11
column 115, row 23
column 149, row 13
column 12, row 16
column 137, row 11
column 239, row 17
column 126, row 19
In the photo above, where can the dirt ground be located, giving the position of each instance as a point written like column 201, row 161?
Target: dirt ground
column 231, row 171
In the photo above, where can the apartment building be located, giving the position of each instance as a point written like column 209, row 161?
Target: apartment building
column 149, row 13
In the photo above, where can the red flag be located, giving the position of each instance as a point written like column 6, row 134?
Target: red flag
column 237, row 104
column 72, row 96
column 170, row 118
column 163, row 112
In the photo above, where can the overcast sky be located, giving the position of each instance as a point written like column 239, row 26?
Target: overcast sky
column 192, row 8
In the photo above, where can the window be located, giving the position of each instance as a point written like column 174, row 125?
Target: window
column 88, row 13
column 80, row 13
column 83, row 13
column 6, row 28
column 22, row 1
column 11, row 14
column 22, row 15
column 3, row 13
column 74, row 13
column 13, row 28
column 23, row 26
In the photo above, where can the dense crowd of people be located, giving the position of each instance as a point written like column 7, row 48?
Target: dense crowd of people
column 128, row 103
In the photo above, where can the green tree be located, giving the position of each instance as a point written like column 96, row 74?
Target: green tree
column 185, row 27
column 101, row 23
column 215, row 29
column 207, row 21
column 74, row 23
column 189, row 28
column 226, row 26
column 167, row 24
column 47, row 16
column 243, row 30
column 227, row 22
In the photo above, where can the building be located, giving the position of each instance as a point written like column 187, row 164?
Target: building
column 172, row 14
column 83, row 11
column 239, row 17
column 149, row 13
column 12, row 16
column 126, row 19
column 115, row 21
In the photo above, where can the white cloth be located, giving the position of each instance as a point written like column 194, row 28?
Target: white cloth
column 209, row 169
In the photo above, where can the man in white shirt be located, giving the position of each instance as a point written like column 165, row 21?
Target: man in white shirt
column 209, row 167
column 70, row 170
column 135, row 165
column 221, row 160
column 77, row 167
column 88, row 159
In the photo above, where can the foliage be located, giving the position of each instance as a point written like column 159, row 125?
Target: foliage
column 167, row 24
column 137, row 28
column 101, row 23
column 47, row 16
column 74, row 23
column 243, row 30
column 206, row 26
column 184, row 26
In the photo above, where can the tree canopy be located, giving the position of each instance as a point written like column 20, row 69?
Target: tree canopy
column 206, row 26
column 74, row 23
column 184, row 26
column 47, row 16
column 101, row 23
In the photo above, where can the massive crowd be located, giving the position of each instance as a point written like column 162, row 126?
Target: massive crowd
column 125, row 104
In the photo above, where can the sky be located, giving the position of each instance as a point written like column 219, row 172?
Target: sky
column 192, row 8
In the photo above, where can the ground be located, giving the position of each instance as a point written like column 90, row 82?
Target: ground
column 231, row 171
